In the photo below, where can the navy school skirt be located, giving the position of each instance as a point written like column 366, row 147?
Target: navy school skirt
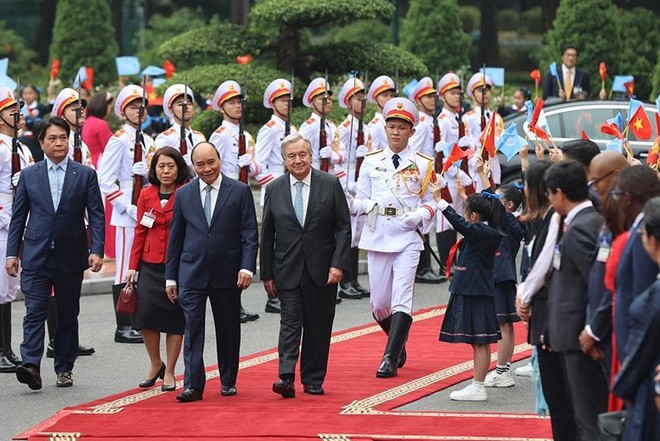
column 470, row 319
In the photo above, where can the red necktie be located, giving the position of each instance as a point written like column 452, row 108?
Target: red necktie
column 451, row 256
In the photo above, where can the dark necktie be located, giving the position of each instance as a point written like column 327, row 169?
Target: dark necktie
column 395, row 160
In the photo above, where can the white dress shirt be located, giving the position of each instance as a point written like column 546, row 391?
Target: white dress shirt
column 307, row 180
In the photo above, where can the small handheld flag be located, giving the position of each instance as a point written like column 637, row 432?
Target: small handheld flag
column 638, row 121
column 510, row 142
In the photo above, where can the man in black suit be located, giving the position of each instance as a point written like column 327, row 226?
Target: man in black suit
column 567, row 300
column 570, row 79
column 212, row 253
column 52, row 201
column 305, row 249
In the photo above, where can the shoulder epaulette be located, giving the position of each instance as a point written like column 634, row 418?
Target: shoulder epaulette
column 346, row 123
column 470, row 112
column 119, row 132
column 374, row 152
column 442, row 116
column 310, row 121
column 168, row 131
column 424, row 156
column 375, row 120
column 422, row 117
column 270, row 123
column 197, row 132
column 1, row 142
column 330, row 121
column 220, row 129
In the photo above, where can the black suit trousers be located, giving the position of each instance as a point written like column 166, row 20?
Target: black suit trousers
column 308, row 311
column 556, row 395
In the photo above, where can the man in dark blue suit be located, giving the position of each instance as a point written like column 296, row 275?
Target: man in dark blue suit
column 570, row 80
column 55, row 194
column 212, row 253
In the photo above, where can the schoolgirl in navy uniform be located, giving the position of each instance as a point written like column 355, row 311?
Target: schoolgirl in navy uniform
column 470, row 316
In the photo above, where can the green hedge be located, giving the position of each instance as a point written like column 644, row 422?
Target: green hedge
column 318, row 12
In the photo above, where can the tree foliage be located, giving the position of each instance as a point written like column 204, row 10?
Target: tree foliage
column 656, row 79
column 432, row 30
column 162, row 28
column 12, row 46
column 361, row 31
column 84, row 38
column 216, row 43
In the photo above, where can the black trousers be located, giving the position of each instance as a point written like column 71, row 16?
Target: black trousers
column 308, row 311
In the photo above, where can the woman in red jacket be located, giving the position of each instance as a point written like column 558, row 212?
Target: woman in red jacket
column 155, row 313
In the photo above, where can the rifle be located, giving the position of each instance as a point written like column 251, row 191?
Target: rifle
column 396, row 82
column 287, row 125
column 469, row 189
column 484, row 153
column 242, row 147
column 323, row 142
column 15, row 156
column 360, row 133
column 183, row 144
column 137, row 149
column 440, row 156
column 77, row 138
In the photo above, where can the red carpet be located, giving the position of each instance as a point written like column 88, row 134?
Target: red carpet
column 357, row 405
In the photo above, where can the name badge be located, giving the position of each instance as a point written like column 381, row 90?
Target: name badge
column 603, row 254
column 556, row 259
column 148, row 220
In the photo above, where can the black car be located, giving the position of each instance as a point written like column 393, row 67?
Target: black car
column 567, row 120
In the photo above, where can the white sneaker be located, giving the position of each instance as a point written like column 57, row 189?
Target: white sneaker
column 525, row 371
column 505, row 379
column 469, row 393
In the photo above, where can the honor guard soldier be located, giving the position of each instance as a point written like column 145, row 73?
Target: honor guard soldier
column 227, row 99
column 11, row 121
column 479, row 88
column 381, row 91
column 449, row 89
column 424, row 96
column 318, row 94
column 351, row 97
column 393, row 191
column 116, row 175
column 176, row 96
column 65, row 106
column 268, row 149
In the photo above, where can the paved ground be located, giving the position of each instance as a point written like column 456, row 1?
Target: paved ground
column 118, row 367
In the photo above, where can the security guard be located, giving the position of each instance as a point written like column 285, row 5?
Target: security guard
column 393, row 191
column 65, row 106
column 381, row 90
column 424, row 96
column 116, row 172
column 8, row 285
column 268, row 149
column 227, row 100
column 479, row 88
column 351, row 97
column 173, row 100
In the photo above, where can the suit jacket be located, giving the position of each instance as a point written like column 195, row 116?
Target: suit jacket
column 150, row 244
column 64, row 227
column 474, row 265
column 504, row 268
column 550, row 87
column 201, row 256
column 567, row 299
column 323, row 242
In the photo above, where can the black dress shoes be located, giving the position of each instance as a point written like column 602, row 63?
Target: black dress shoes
column 64, row 379
column 247, row 316
column 428, row 276
column 150, row 382
column 28, row 374
column 228, row 391
column 9, row 355
column 82, row 350
column 127, row 335
column 313, row 389
column 190, row 395
column 364, row 292
column 346, row 291
column 285, row 388
column 273, row 305
column 6, row 366
column 168, row 387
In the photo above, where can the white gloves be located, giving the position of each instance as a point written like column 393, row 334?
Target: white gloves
column 244, row 160
column 15, row 178
column 349, row 201
column 187, row 159
column 442, row 205
column 411, row 219
column 131, row 210
column 140, row 169
column 325, row 152
column 439, row 146
column 464, row 142
column 361, row 151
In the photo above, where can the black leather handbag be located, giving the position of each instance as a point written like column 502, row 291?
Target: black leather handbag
column 610, row 425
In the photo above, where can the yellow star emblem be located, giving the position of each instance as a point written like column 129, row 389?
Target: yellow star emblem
column 639, row 125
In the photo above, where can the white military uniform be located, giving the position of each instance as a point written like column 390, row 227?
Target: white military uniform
column 377, row 132
column 422, row 140
column 65, row 98
column 225, row 140
column 172, row 136
column 310, row 131
column 8, row 285
column 472, row 120
column 268, row 151
column 116, row 183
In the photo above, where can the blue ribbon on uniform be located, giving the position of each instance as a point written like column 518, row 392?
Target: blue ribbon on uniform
column 491, row 195
column 519, row 185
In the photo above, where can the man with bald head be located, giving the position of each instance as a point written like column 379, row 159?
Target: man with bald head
column 212, row 253
column 595, row 339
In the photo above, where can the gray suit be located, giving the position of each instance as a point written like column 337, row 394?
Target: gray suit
column 567, row 308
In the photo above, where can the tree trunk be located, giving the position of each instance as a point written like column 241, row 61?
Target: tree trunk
column 489, row 48
column 548, row 13
column 289, row 57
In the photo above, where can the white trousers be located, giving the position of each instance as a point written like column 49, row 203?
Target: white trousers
column 392, row 282
column 8, row 285
column 123, row 243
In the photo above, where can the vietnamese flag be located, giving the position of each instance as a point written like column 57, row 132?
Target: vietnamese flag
column 55, row 69
column 536, row 113
column 638, row 121
column 654, row 153
column 630, row 87
column 536, row 76
column 488, row 137
column 456, row 155
column 602, row 69
column 169, row 68
column 89, row 82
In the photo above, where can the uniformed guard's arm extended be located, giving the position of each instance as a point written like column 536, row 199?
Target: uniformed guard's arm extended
column 266, row 142
column 108, row 172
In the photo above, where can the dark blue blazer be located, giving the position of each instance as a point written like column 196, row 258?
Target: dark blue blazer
column 635, row 272
column 599, row 298
column 64, row 227
column 550, row 87
column 201, row 256
column 473, row 275
column 505, row 258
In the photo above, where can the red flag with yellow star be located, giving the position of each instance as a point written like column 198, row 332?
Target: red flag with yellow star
column 638, row 121
column 654, row 153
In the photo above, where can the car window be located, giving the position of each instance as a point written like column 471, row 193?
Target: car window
column 589, row 120
column 649, row 113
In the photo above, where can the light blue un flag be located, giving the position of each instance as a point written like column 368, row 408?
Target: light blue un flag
column 510, row 142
